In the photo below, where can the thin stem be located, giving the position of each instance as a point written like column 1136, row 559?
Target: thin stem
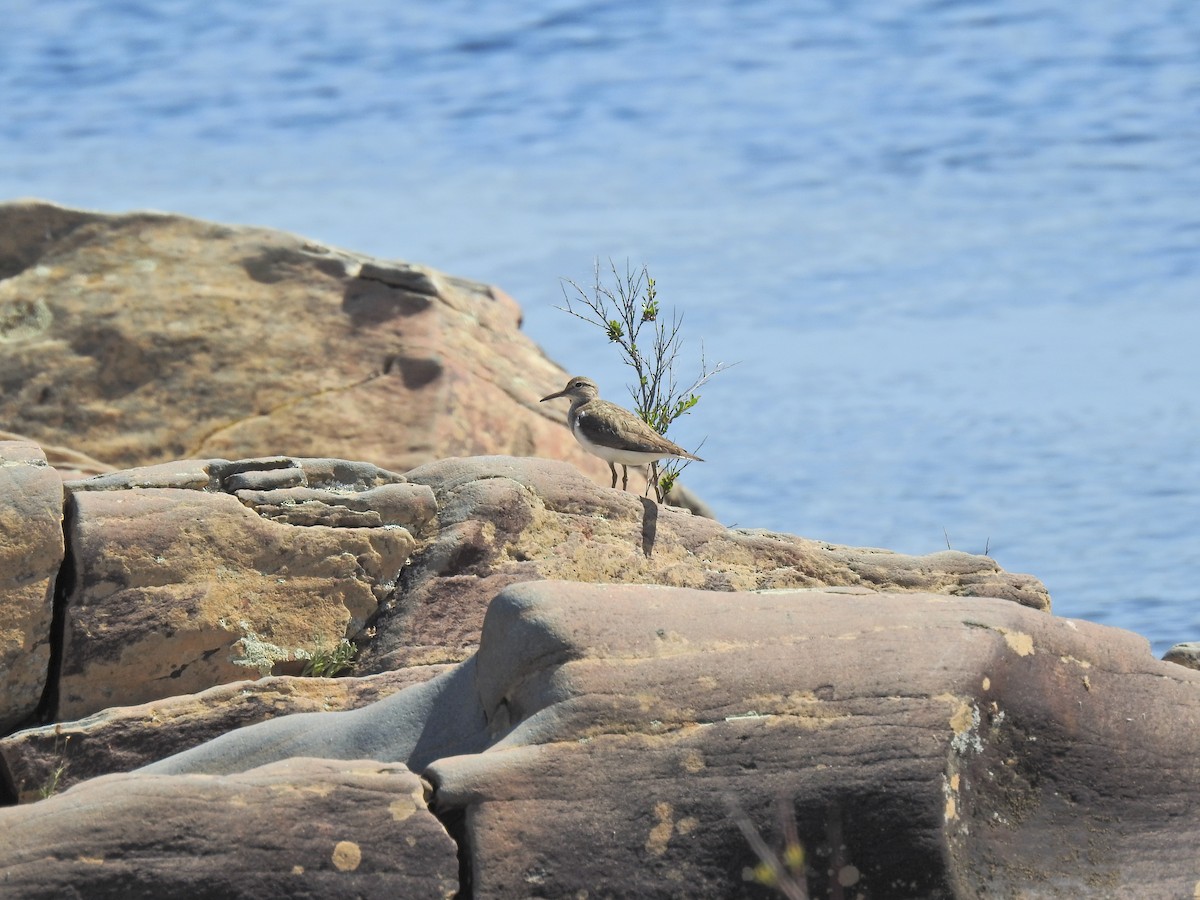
column 622, row 314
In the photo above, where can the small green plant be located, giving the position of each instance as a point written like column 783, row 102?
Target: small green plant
column 329, row 662
column 50, row 786
column 622, row 312
column 987, row 547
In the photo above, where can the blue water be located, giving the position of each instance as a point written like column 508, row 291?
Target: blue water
column 954, row 245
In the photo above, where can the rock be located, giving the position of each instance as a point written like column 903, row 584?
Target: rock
column 174, row 338
column 68, row 462
column 341, row 477
column 503, row 520
column 178, row 586
column 1187, row 654
column 408, row 505
column 956, row 747
column 36, row 761
column 298, row 828
column 31, row 552
column 605, row 738
column 415, row 726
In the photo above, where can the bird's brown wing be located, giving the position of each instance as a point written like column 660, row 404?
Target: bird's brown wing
column 610, row 425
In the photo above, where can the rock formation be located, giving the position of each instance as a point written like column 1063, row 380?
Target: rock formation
column 1185, row 654
column 31, row 554
column 198, row 573
column 299, row 828
column 174, row 338
column 931, row 727
column 604, row 738
column 50, row 758
column 503, row 520
column 560, row 689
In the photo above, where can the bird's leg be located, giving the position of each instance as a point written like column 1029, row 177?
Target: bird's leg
column 625, row 479
column 653, row 480
column 613, row 469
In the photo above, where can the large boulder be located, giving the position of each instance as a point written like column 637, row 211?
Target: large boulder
column 190, row 574
column 299, row 828
column 951, row 746
column 31, row 552
column 603, row 696
column 608, row 738
column 173, row 338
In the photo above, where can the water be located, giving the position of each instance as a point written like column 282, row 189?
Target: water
column 953, row 244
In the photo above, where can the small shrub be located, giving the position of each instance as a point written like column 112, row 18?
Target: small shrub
column 329, row 662
column 50, row 786
column 622, row 313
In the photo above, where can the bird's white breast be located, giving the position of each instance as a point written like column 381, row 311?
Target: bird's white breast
column 616, row 454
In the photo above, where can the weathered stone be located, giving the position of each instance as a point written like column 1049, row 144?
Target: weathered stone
column 177, row 338
column 1187, row 654
column 177, row 590
column 440, row 717
column 605, row 737
column 409, row 505
column 261, row 481
column 946, row 746
column 122, row 738
column 183, row 474
column 298, row 828
column 340, row 476
column 69, row 463
column 502, row 520
column 31, row 553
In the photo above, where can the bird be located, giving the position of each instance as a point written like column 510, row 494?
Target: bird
column 612, row 432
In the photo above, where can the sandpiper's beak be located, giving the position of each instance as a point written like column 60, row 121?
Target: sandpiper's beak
column 561, row 393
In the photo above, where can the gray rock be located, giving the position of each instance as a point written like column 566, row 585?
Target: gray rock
column 121, row 738
column 440, row 717
column 183, row 474
column 260, row 480
column 1186, row 654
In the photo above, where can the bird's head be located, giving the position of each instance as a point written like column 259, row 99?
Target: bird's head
column 578, row 388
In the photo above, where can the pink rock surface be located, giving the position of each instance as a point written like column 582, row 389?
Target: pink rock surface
column 179, row 338
column 502, row 520
column 298, row 828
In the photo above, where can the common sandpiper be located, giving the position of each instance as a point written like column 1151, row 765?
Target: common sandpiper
column 612, row 432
